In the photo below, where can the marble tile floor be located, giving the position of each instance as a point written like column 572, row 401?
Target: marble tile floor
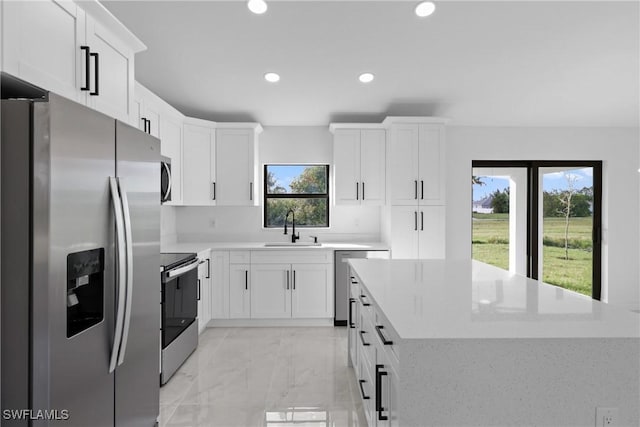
column 273, row 377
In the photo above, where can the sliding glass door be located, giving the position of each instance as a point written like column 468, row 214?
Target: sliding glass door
column 541, row 219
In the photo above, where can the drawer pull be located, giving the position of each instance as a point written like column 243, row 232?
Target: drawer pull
column 379, row 408
column 366, row 304
column 362, row 338
column 385, row 341
column 351, row 324
column 362, row 389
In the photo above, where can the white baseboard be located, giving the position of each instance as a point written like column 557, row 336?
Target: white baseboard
column 261, row 323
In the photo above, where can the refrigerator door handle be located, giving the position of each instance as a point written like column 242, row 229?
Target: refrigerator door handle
column 121, row 272
column 129, row 281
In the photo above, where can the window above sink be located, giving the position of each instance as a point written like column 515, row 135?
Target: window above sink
column 303, row 188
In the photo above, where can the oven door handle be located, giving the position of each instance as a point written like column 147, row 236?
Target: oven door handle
column 182, row 270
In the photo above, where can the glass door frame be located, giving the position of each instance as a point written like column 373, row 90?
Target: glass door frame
column 533, row 211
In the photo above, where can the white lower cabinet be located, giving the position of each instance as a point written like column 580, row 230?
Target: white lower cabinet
column 240, row 290
column 219, row 284
column 311, row 295
column 291, row 290
column 271, row 291
column 374, row 358
column 204, row 290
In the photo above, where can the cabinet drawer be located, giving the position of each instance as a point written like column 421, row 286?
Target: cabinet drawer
column 240, row 257
column 366, row 303
column 387, row 338
column 366, row 339
column 300, row 256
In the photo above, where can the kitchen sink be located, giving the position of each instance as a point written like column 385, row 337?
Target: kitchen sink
column 291, row 245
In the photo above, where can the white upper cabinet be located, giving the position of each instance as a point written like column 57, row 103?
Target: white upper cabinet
column 41, row 44
column 236, row 167
column 77, row 50
column 219, row 163
column 416, row 164
column 198, row 171
column 359, row 165
column 153, row 115
column 112, row 71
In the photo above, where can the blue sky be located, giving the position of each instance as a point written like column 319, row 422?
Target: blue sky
column 284, row 174
column 550, row 181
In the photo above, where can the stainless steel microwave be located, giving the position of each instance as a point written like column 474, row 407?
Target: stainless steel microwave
column 165, row 179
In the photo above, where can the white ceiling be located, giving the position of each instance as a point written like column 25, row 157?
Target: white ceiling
column 479, row 63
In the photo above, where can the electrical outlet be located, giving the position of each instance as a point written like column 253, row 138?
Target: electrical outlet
column 606, row 417
column 212, row 223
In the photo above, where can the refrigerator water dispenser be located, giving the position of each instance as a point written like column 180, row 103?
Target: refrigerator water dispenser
column 85, row 290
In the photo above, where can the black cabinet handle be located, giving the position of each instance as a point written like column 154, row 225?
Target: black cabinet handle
column 421, row 220
column 357, row 191
column 251, row 191
column 362, row 389
column 87, row 66
column 421, row 190
column 415, row 189
column 351, row 324
column 287, row 279
column 214, row 190
column 199, row 290
column 149, row 126
column 415, row 220
column 385, row 341
column 366, row 304
column 246, row 279
column 363, row 191
column 294, row 280
column 96, row 57
column 362, row 338
column 208, row 269
column 379, row 408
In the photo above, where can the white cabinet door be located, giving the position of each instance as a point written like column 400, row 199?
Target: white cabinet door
column 42, row 42
column 346, row 163
column 372, row 167
column 204, row 309
column 137, row 112
column 171, row 146
column 153, row 115
column 312, row 291
column 404, row 232
column 111, row 72
column 403, row 164
column 219, row 272
column 431, row 165
column 235, row 167
column 431, row 232
column 271, row 291
column 240, row 291
column 197, row 186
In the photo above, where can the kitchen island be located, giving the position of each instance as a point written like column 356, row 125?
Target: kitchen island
column 462, row 343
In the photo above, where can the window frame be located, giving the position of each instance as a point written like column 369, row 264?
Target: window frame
column 326, row 196
column 533, row 214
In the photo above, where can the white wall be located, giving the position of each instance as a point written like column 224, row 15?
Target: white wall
column 279, row 144
column 619, row 150
column 167, row 224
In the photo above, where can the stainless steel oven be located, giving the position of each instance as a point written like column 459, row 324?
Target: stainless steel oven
column 165, row 179
column 179, row 326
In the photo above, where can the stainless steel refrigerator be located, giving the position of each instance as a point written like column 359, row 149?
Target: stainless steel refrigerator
column 80, row 267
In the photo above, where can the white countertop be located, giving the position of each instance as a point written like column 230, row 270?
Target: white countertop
column 470, row 299
column 223, row 246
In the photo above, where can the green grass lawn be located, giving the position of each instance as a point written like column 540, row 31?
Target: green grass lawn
column 491, row 245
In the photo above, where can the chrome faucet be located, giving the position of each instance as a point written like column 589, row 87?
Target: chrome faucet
column 294, row 236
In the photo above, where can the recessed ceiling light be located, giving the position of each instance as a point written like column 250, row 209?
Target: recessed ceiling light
column 425, row 8
column 257, row 6
column 366, row 77
column 272, row 77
